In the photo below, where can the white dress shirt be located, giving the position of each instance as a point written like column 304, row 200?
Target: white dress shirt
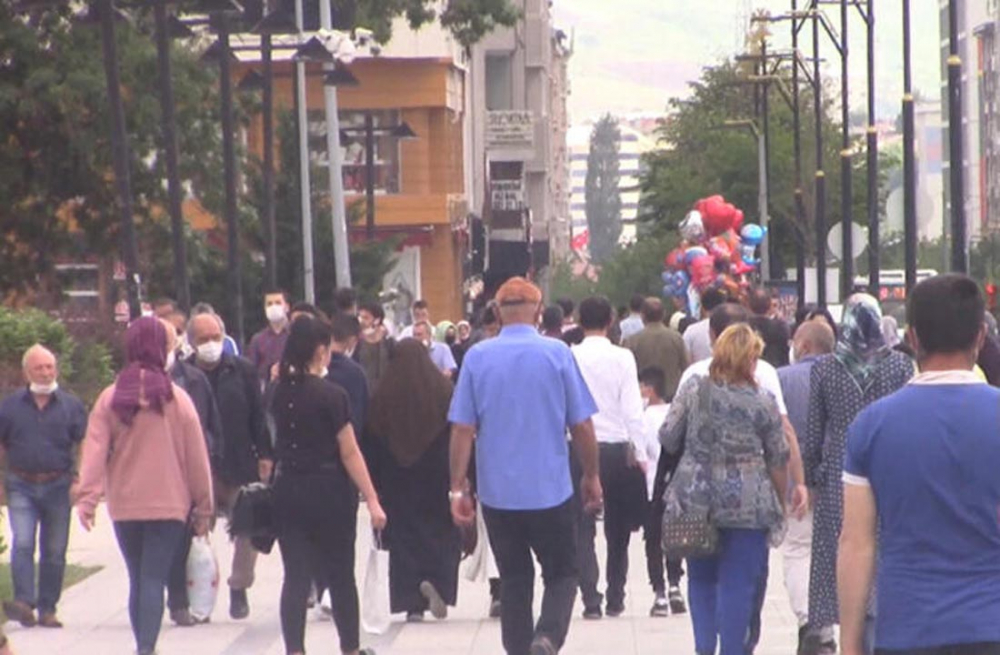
column 653, row 418
column 631, row 325
column 766, row 375
column 698, row 340
column 611, row 375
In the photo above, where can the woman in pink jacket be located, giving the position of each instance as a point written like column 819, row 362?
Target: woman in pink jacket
column 144, row 451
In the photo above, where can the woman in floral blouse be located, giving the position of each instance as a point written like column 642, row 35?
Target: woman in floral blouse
column 733, row 464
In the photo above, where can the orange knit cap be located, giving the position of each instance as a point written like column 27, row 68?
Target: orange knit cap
column 518, row 291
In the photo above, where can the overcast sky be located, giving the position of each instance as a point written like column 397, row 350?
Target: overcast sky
column 633, row 55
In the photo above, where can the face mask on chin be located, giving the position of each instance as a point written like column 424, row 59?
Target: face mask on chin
column 210, row 352
column 171, row 360
column 791, row 355
column 40, row 389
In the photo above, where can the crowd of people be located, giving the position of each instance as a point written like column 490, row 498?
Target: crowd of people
column 867, row 458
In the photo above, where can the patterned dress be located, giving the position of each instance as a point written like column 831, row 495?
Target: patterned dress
column 835, row 400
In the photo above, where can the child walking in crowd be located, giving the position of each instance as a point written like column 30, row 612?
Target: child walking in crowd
column 651, row 384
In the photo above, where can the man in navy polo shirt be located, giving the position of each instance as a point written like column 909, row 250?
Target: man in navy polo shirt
column 922, row 465
column 516, row 396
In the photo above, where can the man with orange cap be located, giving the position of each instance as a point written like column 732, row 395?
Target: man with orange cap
column 516, row 396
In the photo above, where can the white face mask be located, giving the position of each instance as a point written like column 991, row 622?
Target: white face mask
column 325, row 372
column 275, row 313
column 791, row 355
column 171, row 360
column 43, row 389
column 210, row 352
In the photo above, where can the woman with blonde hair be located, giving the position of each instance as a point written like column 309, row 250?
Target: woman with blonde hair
column 732, row 470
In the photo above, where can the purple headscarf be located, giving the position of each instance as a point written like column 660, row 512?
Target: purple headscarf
column 143, row 382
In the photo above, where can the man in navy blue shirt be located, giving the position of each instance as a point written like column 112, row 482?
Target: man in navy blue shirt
column 517, row 395
column 922, row 468
column 346, row 372
column 41, row 427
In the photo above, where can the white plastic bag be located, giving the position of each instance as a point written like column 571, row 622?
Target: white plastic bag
column 480, row 566
column 202, row 579
column 375, row 592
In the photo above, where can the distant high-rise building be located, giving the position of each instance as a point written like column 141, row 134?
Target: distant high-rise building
column 634, row 144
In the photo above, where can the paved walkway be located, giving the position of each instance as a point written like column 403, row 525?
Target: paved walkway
column 97, row 622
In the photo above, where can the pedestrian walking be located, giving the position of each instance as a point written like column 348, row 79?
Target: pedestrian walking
column 651, row 385
column 658, row 345
column 697, row 339
column 861, row 370
column 611, row 377
column 439, row 352
column 633, row 323
column 41, row 427
column 375, row 345
column 517, row 395
column 773, row 330
column 409, row 440
column 347, row 373
column 921, row 491
column 267, row 345
column 420, row 312
column 813, row 339
column 145, row 453
column 552, row 319
column 246, row 453
column 733, row 470
column 193, row 381
column 320, row 471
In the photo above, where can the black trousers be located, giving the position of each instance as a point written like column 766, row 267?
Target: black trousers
column 177, row 594
column 317, row 517
column 586, row 555
column 624, row 511
column 982, row 648
column 549, row 534
column 653, row 534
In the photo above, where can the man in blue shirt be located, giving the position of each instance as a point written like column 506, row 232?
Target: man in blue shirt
column 40, row 430
column 516, row 396
column 921, row 467
column 440, row 352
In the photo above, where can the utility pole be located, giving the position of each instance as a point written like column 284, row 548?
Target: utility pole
column 846, row 221
column 267, row 111
column 234, row 271
column 820, row 174
column 874, row 272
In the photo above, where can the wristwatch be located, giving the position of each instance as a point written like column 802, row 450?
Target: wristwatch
column 456, row 495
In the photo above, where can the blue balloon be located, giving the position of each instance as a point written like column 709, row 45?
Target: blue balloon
column 753, row 235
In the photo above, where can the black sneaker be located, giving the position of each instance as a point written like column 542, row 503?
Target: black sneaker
column 414, row 617
column 542, row 646
column 239, row 606
column 593, row 613
column 495, row 608
column 660, row 606
column 615, row 611
column 436, row 604
column 677, row 604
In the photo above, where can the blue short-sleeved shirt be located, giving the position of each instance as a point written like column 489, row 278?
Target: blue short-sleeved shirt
column 521, row 391
column 41, row 441
column 931, row 453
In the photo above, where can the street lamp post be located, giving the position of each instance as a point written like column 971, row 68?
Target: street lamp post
column 305, row 182
column 959, row 254
column 847, row 245
column 909, row 160
column 874, row 271
column 120, row 152
column 169, row 125
column 368, row 133
column 820, row 174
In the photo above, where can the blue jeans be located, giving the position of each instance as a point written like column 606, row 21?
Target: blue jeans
column 722, row 591
column 148, row 548
column 38, row 511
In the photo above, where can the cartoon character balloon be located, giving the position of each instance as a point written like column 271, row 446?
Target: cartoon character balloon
column 675, row 284
column 693, row 253
column 675, row 260
column 752, row 236
column 702, row 271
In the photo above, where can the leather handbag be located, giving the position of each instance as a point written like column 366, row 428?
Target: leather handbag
column 253, row 515
column 692, row 534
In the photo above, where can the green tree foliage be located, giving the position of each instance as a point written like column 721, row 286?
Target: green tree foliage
column 701, row 156
column 602, row 195
column 57, row 196
column 468, row 20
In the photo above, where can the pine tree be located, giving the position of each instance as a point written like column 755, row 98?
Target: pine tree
column 603, row 198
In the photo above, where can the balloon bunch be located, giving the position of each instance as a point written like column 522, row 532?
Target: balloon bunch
column 717, row 250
